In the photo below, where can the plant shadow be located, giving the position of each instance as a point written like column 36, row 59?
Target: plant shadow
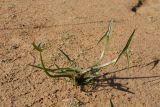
column 106, row 81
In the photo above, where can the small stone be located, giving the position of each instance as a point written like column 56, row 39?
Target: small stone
column 15, row 46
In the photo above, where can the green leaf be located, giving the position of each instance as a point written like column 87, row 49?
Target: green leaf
column 62, row 75
column 56, row 74
column 125, row 49
column 58, row 67
column 37, row 66
column 68, row 58
column 106, row 37
column 42, row 61
column 95, row 72
column 38, row 47
column 111, row 103
column 67, row 70
column 128, row 59
column 108, row 33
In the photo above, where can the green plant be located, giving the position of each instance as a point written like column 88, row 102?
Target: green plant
column 74, row 73
column 111, row 103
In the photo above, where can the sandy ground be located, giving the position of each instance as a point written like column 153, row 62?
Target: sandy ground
column 75, row 26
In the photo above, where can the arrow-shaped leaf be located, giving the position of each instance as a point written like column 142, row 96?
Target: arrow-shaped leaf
column 106, row 38
column 125, row 49
column 38, row 47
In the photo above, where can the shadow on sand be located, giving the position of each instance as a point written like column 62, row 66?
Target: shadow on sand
column 106, row 81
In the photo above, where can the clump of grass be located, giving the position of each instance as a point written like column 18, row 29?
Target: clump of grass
column 75, row 74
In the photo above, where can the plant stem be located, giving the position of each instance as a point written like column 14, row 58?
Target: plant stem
column 100, row 66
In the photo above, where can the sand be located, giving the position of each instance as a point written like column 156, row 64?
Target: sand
column 75, row 26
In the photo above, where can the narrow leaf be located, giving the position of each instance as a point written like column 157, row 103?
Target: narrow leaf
column 41, row 59
column 37, row 47
column 56, row 65
column 111, row 103
column 37, row 66
column 68, row 58
column 106, row 38
column 126, row 46
column 128, row 59
column 108, row 33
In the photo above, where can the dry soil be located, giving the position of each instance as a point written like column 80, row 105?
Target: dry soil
column 75, row 26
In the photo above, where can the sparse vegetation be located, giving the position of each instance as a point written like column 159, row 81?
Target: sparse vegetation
column 75, row 74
